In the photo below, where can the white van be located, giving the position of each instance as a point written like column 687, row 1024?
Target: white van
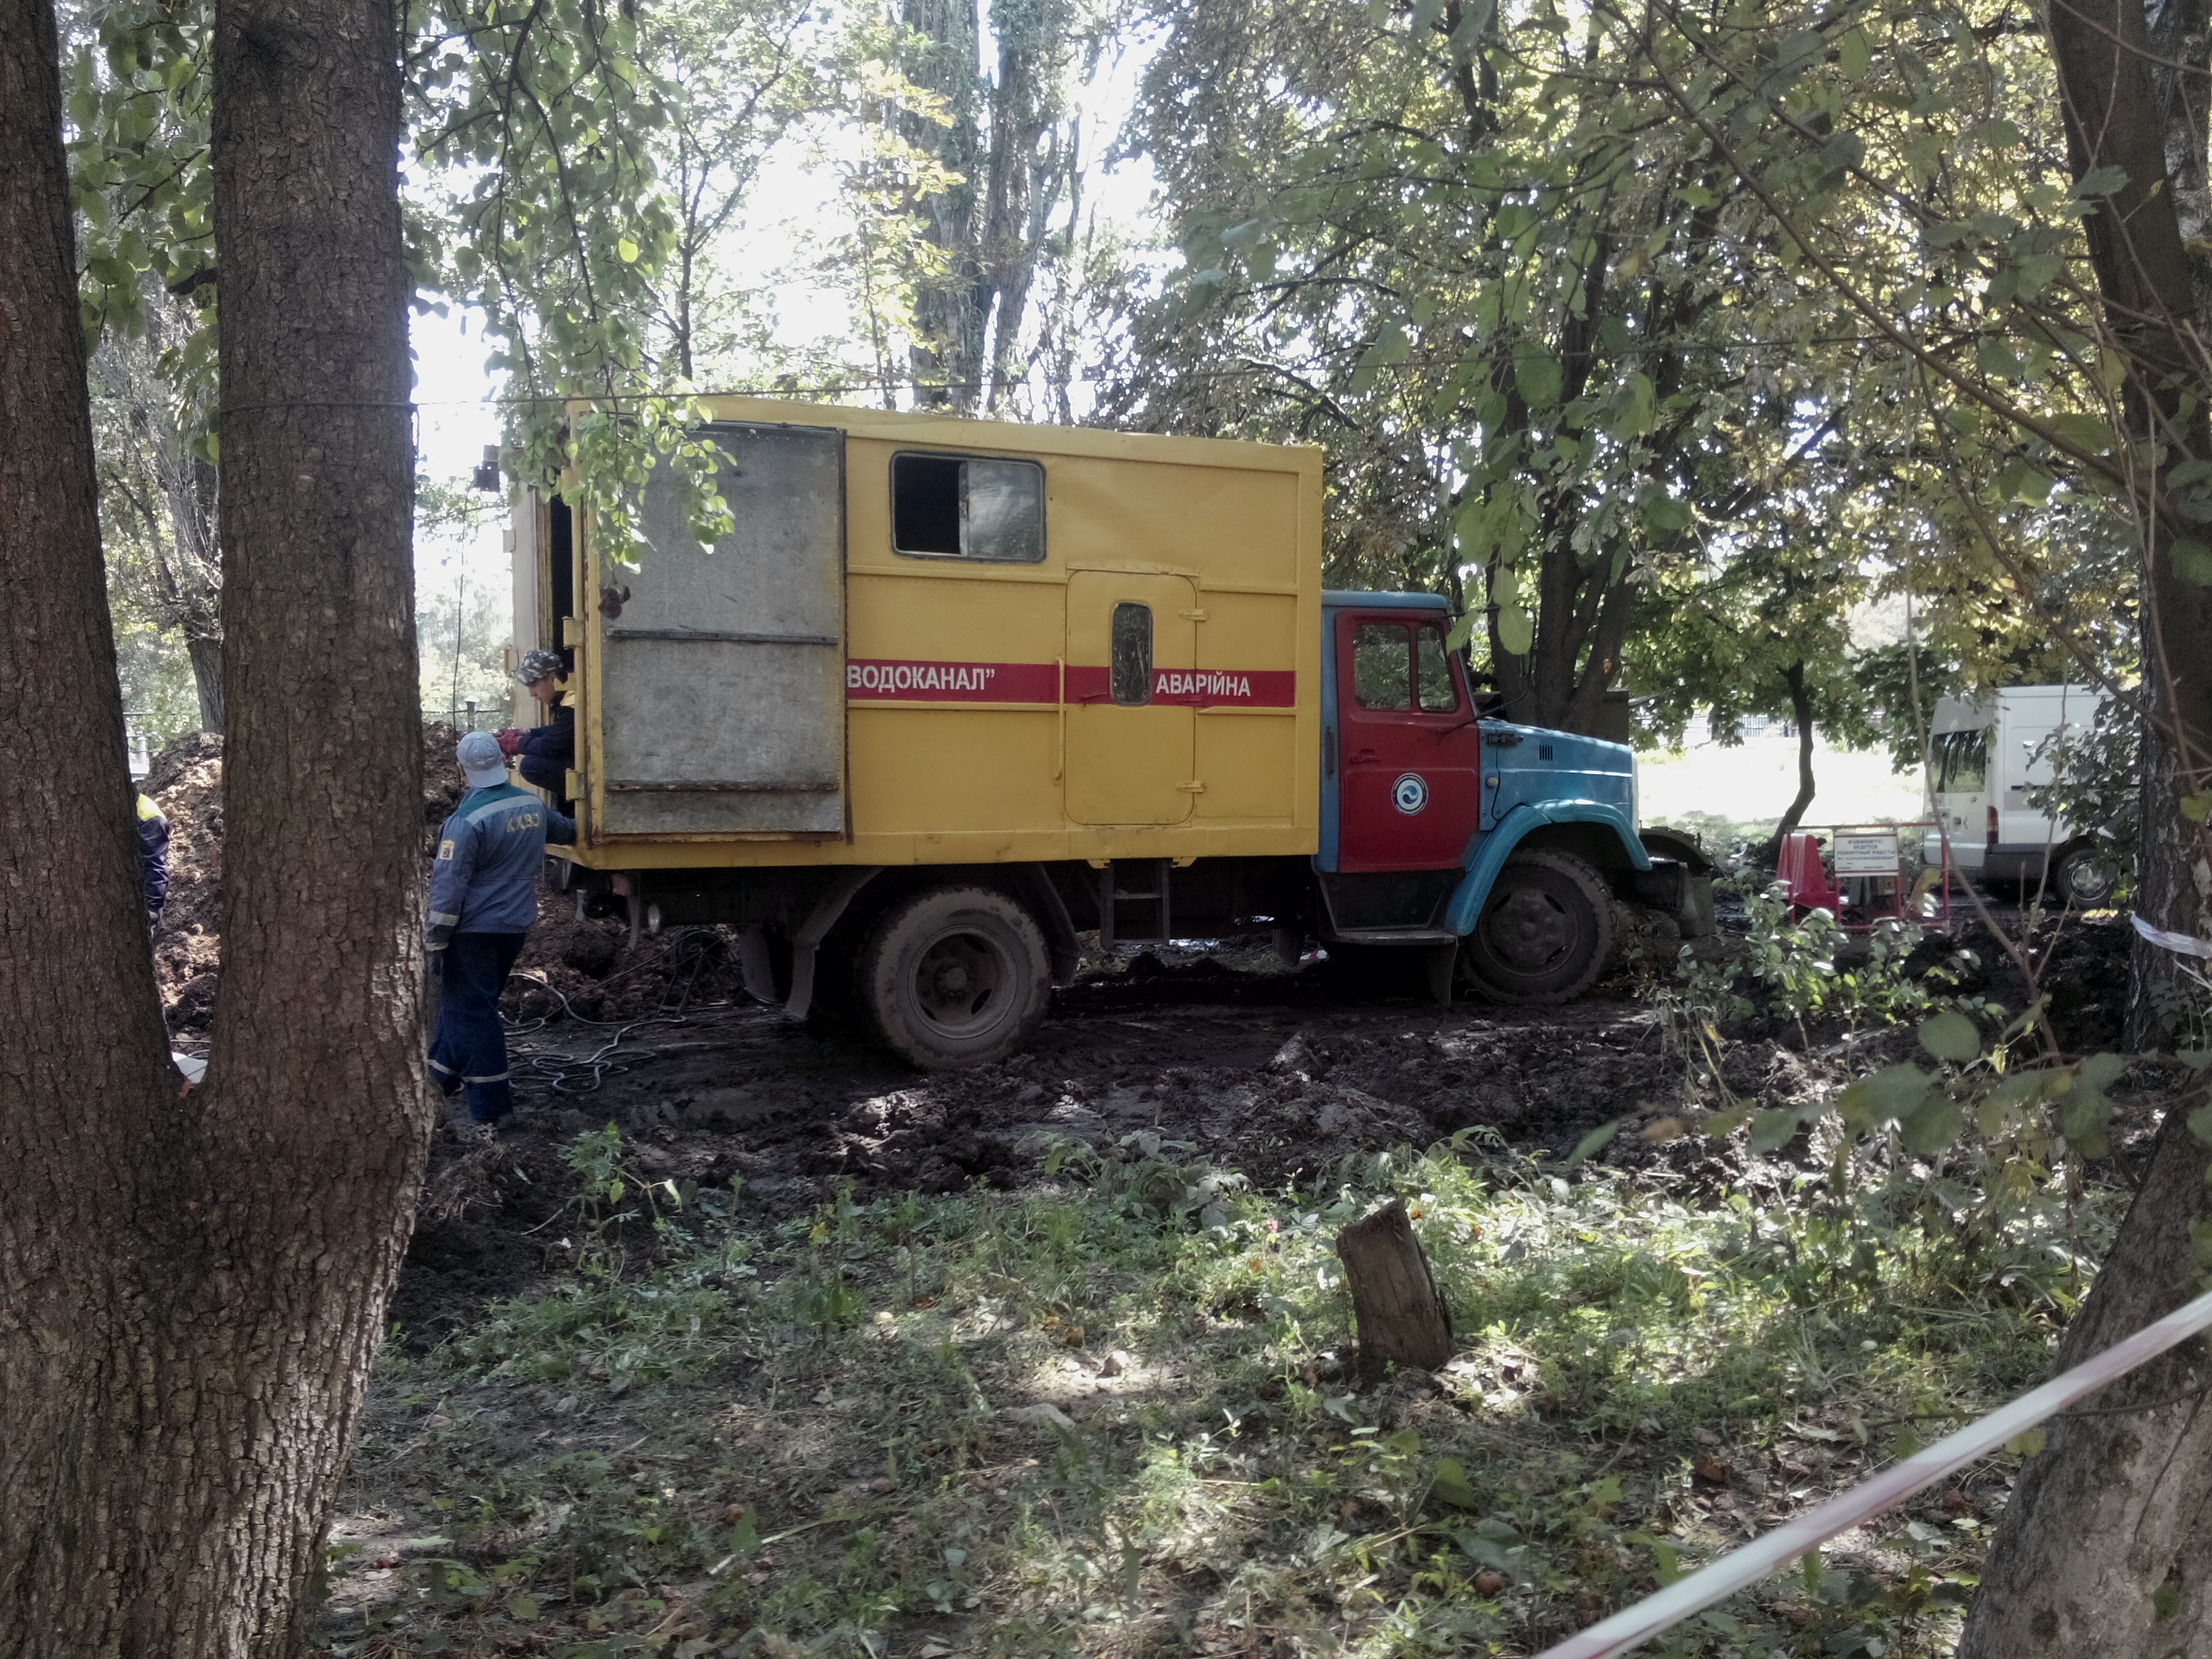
column 1979, row 772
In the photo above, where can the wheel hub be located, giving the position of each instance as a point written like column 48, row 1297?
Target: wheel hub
column 956, row 980
column 1529, row 930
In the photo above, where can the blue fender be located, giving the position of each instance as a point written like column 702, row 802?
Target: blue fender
column 1487, row 856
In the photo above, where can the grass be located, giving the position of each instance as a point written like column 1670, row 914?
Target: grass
column 1115, row 1414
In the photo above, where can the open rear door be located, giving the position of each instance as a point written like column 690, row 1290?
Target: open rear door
column 722, row 682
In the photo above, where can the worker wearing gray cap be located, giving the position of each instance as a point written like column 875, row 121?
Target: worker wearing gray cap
column 484, row 896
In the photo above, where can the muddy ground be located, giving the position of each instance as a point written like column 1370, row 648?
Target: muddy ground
column 1280, row 1075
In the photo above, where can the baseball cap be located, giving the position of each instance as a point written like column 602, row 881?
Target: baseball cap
column 482, row 762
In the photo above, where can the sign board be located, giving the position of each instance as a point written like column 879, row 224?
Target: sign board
column 1869, row 853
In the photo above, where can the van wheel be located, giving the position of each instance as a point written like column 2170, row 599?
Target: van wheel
column 956, row 977
column 1544, row 933
column 2083, row 879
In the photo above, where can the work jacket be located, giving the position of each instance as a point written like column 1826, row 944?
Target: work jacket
column 485, row 879
column 549, row 750
column 153, row 852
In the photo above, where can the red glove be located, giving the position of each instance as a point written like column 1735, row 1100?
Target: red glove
column 510, row 741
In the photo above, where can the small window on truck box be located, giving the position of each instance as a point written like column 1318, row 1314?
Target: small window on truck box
column 1133, row 654
column 968, row 507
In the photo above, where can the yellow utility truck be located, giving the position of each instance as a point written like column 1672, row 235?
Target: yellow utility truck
column 952, row 693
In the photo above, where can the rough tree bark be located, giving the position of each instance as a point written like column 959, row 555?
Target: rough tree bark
column 191, row 1289
column 1800, row 710
column 1401, row 1316
column 2106, row 1549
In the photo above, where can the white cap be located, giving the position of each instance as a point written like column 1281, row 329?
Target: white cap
column 482, row 762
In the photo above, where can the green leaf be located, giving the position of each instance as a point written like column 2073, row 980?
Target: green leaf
column 2102, row 181
column 1450, row 1484
column 628, row 250
column 2027, row 1444
column 1593, row 1143
column 1951, row 1036
column 523, row 1607
column 1516, row 630
column 2192, row 563
column 1890, row 1093
column 1771, row 1131
column 1538, row 376
column 1854, row 55
column 2200, row 1124
column 2084, row 432
column 1461, row 631
column 2101, row 1071
column 1932, row 1126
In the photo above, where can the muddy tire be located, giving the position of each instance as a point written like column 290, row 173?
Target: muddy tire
column 1545, row 932
column 2083, row 879
column 956, row 977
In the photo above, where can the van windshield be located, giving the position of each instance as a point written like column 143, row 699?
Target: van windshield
column 1962, row 762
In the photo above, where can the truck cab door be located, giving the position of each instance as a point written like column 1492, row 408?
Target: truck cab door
column 1409, row 787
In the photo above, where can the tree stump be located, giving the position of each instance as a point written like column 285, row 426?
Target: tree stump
column 1402, row 1318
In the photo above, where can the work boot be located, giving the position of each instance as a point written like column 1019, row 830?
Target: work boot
column 467, row 1129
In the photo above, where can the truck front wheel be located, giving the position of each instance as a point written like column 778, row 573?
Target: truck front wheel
column 956, row 977
column 1544, row 933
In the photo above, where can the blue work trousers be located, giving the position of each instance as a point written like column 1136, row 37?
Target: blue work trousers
column 469, row 1050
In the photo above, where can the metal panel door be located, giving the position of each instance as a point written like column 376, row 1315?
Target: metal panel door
column 722, row 696
column 1409, row 792
column 1132, row 723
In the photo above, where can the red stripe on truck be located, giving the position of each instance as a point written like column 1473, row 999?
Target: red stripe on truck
column 888, row 680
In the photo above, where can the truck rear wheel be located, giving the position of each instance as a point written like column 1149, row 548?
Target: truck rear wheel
column 956, row 977
column 1544, row 933
column 2083, row 879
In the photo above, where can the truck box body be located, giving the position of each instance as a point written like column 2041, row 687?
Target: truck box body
column 836, row 683
column 1072, row 678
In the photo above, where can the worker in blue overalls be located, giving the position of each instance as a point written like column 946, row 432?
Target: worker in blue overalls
column 484, row 896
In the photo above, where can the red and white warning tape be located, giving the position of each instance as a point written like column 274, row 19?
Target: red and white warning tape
column 1742, row 1568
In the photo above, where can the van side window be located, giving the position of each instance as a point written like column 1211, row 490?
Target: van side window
column 968, row 507
column 1439, row 695
column 1133, row 654
column 1962, row 762
column 1382, row 663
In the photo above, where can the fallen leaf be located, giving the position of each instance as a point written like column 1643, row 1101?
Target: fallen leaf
column 1490, row 1582
column 1708, row 1467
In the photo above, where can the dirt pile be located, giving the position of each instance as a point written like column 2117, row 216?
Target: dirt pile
column 588, row 961
column 187, row 783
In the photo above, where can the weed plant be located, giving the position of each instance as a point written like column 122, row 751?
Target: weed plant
column 1116, row 1410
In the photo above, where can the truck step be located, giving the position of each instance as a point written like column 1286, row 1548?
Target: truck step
column 1132, row 901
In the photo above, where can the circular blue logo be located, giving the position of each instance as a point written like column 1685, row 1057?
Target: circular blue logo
column 1410, row 794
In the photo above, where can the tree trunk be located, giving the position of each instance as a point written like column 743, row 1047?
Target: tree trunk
column 191, row 1290
column 1800, row 710
column 948, row 350
column 1402, row 1318
column 2105, row 1550
column 205, row 653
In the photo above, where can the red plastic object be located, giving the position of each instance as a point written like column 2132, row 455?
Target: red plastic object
column 1804, row 875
